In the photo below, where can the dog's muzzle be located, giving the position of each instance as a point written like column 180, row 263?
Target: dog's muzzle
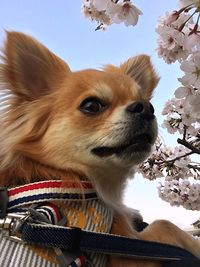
column 141, row 121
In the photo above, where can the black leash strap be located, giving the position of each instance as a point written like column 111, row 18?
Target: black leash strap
column 74, row 239
column 183, row 263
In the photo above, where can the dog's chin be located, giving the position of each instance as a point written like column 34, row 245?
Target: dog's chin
column 136, row 149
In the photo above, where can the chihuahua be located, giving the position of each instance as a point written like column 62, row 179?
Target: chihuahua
column 91, row 125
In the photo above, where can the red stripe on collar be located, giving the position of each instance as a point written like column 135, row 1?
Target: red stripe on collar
column 49, row 184
column 49, row 191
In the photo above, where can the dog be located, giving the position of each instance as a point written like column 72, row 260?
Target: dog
column 91, row 125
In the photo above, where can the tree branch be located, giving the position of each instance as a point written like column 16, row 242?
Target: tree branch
column 188, row 145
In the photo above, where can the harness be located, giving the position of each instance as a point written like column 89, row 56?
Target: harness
column 79, row 233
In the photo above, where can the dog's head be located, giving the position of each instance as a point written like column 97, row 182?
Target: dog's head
column 79, row 120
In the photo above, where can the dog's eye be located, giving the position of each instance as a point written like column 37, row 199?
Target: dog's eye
column 92, row 106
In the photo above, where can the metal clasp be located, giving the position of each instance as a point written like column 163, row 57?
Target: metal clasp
column 11, row 224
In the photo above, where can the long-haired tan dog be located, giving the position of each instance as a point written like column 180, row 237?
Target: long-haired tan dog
column 89, row 124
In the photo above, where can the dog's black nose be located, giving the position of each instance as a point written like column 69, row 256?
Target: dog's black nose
column 144, row 109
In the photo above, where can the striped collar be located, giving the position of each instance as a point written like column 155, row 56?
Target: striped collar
column 50, row 191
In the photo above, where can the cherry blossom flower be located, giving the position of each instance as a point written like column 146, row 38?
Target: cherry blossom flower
column 123, row 12
column 173, row 106
column 191, row 110
column 182, row 92
column 170, row 18
column 100, row 5
column 191, row 67
column 192, row 42
column 193, row 103
column 169, row 56
column 107, row 12
column 90, row 12
column 181, row 193
column 171, row 39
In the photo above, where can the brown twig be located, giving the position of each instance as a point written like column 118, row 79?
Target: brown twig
column 188, row 145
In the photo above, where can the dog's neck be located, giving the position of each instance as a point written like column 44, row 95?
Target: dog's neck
column 25, row 171
column 109, row 183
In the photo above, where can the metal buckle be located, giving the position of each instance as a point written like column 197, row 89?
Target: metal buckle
column 11, row 225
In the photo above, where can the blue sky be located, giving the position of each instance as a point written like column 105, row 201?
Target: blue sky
column 60, row 25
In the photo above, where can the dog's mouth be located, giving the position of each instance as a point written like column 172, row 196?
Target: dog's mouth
column 138, row 143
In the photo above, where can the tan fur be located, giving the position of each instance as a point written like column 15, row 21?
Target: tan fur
column 44, row 134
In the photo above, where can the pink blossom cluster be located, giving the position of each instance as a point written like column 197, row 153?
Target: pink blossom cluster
column 179, row 35
column 107, row 12
column 169, row 163
column 179, row 40
column 181, row 193
column 182, row 114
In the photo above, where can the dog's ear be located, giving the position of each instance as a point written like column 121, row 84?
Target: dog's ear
column 29, row 69
column 141, row 70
